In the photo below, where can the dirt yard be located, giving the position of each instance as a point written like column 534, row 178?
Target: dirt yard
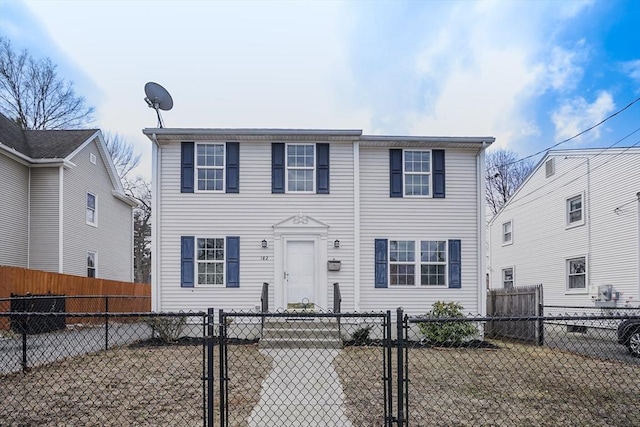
column 162, row 385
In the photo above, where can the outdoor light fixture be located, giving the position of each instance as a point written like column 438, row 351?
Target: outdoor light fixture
column 264, row 243
column 336, row 243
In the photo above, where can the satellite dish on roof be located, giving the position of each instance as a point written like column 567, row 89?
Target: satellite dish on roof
column 158, row 98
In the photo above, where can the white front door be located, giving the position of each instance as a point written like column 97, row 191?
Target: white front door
column 300, row 274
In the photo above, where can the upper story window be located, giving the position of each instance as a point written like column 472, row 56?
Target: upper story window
column 577, row 274
column 405, row 269
column 300, row 168
column 92, row 209
column 210, row 162
column 575, row 214
column 210, row 259
column 417, row 173
column 507, row 233
column 91, row 264
column 507, row 278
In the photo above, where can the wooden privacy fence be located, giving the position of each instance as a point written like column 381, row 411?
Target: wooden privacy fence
column 83, row 294
column 521, row 301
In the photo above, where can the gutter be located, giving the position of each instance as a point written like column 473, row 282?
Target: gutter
column 480, row 206
column 156, row 299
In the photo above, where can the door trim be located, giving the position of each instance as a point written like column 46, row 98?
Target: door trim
column 300, row 228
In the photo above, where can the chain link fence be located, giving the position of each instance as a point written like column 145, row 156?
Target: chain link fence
column 307, row 369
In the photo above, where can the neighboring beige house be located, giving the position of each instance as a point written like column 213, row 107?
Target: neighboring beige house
column 395, row 220
column 63, row 208
column 574, row 227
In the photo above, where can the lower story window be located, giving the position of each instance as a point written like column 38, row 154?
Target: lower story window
column 577, row 273
column 210, row 259
column 405, row 269
column 507, row 278
column 91, row 264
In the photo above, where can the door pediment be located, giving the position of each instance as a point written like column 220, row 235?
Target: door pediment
column 302, row 222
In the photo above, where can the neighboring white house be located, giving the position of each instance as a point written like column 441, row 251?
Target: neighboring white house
column 394, row 220
column 63, row 208
column 573, row 226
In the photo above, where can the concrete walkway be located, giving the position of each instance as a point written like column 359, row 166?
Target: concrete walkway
column 302, row 389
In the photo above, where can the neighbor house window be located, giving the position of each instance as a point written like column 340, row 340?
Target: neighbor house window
column 91, row 264
column 507, row 278
column 210, row 261
column 210, row 160
column 300, row 168
column 577, row 274
column 92, row 209
column 507, row 233
column 405, row 269
column 575, row 214
column 417, row 173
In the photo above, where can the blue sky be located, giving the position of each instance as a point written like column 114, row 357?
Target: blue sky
column 530, row 73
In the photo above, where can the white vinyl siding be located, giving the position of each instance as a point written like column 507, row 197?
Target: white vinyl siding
column 113, row 239
column 609, row 239
column 251, row 215
column 455, row 217
column 14, row 212
column 44, row 227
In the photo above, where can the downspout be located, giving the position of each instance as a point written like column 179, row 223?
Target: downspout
column 482, row 265
column 638, row 195
column 61, row 221
column 356, row 225
column 156, row 301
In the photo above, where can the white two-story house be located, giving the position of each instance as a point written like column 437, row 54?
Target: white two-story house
column 573, row 226
column 62, row 205
column 396, row 221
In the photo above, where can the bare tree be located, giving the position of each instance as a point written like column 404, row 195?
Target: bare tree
column 124, row 157
column 140, row 189
column 34, row 96
column 505, row 173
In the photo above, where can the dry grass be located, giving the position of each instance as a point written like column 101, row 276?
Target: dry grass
column 132, row 386
column 151, row 386
column 513, row 385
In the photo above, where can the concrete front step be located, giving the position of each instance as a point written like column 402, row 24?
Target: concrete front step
column 308, row 333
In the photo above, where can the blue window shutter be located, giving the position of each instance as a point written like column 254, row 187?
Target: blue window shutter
column 233, row 262
column 438, row 174
column 186, row 266
column 322, row 168
column 381, row 263
column 233, row 167
column 395, row 166
column 187, row 165
column 277, row 167
column 455, row 264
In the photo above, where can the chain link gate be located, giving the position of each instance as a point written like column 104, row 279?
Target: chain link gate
column 302, row 368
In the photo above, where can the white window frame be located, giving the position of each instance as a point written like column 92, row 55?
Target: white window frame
column 568, row 275
column 204, row 167
column 88, row 209
column 95, row 263
column 417, row 264
column 568, row 211
column 92, row 158
column 287, row 168
column 197, row 262
column 506, row 242
column 405, row 174
column 513, row 277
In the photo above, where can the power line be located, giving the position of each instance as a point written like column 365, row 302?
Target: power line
column 571, row 138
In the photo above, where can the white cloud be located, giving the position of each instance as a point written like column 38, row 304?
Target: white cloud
column 576, row 115
column 563, row 71
column 632, row 69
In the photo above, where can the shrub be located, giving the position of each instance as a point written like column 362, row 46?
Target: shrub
column 167, row 329
column 446, row 333
column 361, row 335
